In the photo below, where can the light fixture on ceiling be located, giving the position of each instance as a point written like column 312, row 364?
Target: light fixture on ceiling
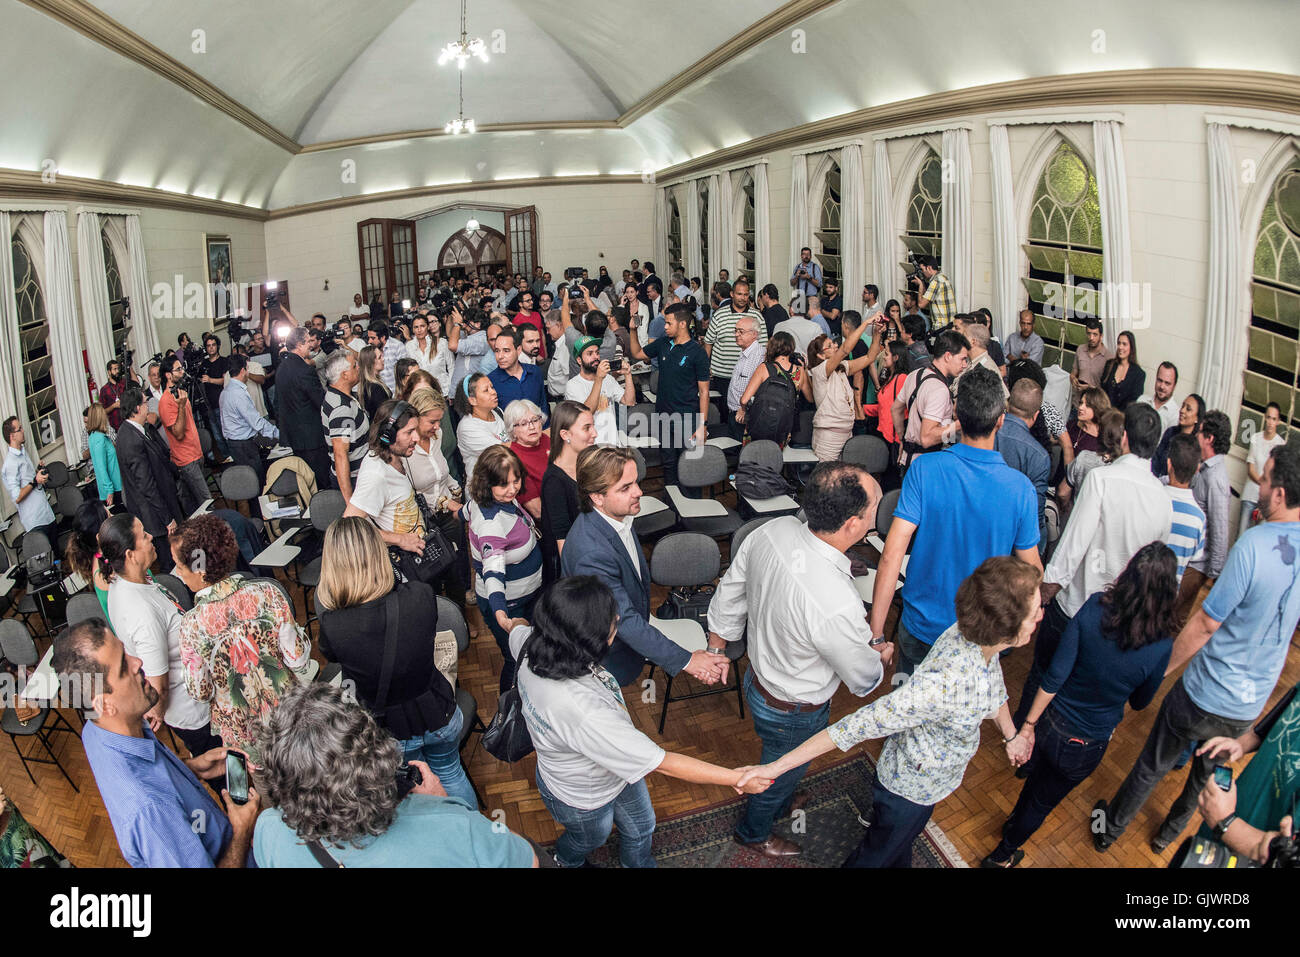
column 471, row 226
column 464, row 48
column 460, row 124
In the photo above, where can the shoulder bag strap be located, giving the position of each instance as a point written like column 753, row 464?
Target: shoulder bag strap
column 323, row 857
column 390, row 651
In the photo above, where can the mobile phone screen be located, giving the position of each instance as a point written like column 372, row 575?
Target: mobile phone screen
column 1223, row 777
column 237, row 777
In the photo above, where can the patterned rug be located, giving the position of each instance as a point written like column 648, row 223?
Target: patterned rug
column 828, row 832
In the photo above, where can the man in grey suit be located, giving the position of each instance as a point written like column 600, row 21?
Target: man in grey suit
column 148, row 475
column 602, row 543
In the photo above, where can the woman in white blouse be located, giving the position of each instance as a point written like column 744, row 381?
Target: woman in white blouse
column 431, row 351
column 591, row 759
column 481, row 425
column 431, row 477
column 828, row 385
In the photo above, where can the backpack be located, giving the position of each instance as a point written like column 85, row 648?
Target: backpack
column 759, row 482
column 913, row 449
column 771, row 413
column 688, row 603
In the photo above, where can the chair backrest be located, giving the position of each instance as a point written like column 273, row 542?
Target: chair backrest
column 16, row 645
column 639, row 419
column 178, row 590
column 205, row 441
column 239, row 484
column 885, row 511
column 869, row 451
column 58, row 475
column 82, row 607
column 640, row 465
column 703, row 466
column 327, row 507
column 285, row 484
column 803, row 428
column 70, row 499
column 34, row 545
column 685, row 558
column 714, row 417
column 740, row 534
column 450, row 619
column 763, row 452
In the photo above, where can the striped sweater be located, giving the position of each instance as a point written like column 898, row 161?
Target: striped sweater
column 1187, row 532
column 503, row 547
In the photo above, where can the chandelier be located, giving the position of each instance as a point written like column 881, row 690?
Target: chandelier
column 460, row 124
column 464, row 48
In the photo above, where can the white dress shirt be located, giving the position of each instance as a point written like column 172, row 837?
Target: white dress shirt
column 1168, row 412
column 793, row 595
column 625, row 535
column 1120, row 508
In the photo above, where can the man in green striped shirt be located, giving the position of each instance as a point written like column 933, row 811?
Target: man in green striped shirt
column 720, row 342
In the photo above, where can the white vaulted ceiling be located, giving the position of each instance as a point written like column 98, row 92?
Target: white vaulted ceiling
column 305, row 74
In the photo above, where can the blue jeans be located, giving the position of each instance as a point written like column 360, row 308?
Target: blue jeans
column 780, row 732
column 584, row 831
column 1062, row 759
column 896, row 823
column 441, row 751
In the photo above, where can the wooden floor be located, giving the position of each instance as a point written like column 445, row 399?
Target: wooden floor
column 708, row 728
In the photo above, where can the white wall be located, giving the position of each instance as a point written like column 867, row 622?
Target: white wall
column 592, row 226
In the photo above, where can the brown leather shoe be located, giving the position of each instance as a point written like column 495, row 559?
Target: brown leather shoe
column 774, row 846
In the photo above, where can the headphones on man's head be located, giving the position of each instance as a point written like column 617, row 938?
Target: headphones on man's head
column 389, row 432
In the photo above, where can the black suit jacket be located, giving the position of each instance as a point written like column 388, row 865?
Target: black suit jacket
column 148, row 478
column 298, row 399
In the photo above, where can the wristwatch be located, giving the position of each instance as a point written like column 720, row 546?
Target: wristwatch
column 878, row 640
column 1221, row 828
column 715, row 651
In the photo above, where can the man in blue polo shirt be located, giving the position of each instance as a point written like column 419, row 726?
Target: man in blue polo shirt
column 1237, row 643
column 162, row 814
column 964, row 504
column 514, row 379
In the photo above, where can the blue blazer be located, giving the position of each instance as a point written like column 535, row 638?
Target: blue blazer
column 592, row 547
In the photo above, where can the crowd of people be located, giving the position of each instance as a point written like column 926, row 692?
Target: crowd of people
column 476, row 436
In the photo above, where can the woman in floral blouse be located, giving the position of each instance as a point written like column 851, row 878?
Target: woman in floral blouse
column 240, row 645
column 933, row 721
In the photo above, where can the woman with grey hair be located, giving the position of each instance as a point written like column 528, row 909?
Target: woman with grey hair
column 336, row 784
column 533, row 446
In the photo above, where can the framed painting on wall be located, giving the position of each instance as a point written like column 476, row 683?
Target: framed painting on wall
column 221, row 277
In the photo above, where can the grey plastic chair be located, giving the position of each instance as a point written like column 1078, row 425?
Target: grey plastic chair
column 766, row 453
column 69, row 499
column 647, row 525
column 869, row 451
column 177, row 589
column 239, row 484
column 702, row 468
column 83, row 607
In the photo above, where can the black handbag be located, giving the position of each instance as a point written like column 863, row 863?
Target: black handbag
column 507, row 737
column 438, row 555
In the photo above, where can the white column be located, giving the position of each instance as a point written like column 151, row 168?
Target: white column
column 65, row 332
column 1224, row 339
column 762, row 228
column 1006, row 248
column 1117, row 301
column 958, row 228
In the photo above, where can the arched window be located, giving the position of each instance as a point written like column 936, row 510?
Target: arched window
column 1275, row 309
column 37, row 381
column 745, row 239
column 116, row 299
column 923, row 229
column 828, row 224
column 674, row 234
column 705, row 281
column 474, row 253
column 1064, row 253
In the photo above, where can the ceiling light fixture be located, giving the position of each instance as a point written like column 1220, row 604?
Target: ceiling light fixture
column 460, row 124
column 471, row 226
column 464, row 48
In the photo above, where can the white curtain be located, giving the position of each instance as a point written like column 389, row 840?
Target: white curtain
column 798, row 213
column 65, row 331
column 1116, row 302
column 1224, row 326
column 958, row 228
column 762, row 228
column 660, row 242
column 853, row 226
column 1006, row 248
column 10, row 355
column 688, row 201
column 728, row 228
column 883, row 241
column 97, row 319
column 717, row 216
column 144, row 330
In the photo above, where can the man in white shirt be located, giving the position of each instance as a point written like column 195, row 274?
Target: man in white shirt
column 789, row 590
column 752, row 351
column 1162, row 397
column 359, row 308
column 25, row 483
column 596, row 388
column 1120, row 508
column 800, row 328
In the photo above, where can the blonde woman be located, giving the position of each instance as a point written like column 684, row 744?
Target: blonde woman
column 430, row 476
column 357, row 601
column 108, row 479
column 371, row 391
column 430, row 350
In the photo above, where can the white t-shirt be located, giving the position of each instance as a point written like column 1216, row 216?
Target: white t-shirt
column 361, row 310
column 588, row 749
column 611, row 392
column 1168, row 412
column 474, row 437
column 255, row 388
column 149, row 624
column 357, row 344
column 385, row 494
column 802, row 330
column 1258, row 457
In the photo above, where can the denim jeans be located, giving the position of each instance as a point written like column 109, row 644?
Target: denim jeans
column 515, row 609
column 1062, row 759
column 1246, row 509
column 896, row 823
column 584, row 831
column 911, row 650
column 1045, row 644
column 1179, row 723
column 193, row 486
column 780, row 733
column 440, row 750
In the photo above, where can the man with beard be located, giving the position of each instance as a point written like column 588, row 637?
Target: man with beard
column 596, row 388
column 110, row 396
column 153, row 798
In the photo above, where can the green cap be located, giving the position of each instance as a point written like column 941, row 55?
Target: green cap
column 582, row 343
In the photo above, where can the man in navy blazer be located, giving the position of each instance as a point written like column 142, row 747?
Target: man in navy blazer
column 602, row 543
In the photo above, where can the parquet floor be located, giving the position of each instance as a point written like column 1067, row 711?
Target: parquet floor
column 707, row 728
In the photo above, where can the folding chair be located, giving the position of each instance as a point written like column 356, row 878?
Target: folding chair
column 766, row 453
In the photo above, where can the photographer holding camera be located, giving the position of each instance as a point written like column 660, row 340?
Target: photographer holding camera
column 934, row 291
column 807, row 277
column 25, row 483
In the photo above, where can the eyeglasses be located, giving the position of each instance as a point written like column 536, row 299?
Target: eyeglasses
column 528, row 423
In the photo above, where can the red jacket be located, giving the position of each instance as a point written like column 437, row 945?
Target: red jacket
column 882, row 408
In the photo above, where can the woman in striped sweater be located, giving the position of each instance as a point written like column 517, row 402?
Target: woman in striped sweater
column 503, row 544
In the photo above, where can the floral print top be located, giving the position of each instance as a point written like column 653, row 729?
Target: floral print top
column 241, row 648
column 933, row 721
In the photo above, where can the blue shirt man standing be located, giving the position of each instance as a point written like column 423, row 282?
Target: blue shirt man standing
column 1018, row 447
column 514, row 379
